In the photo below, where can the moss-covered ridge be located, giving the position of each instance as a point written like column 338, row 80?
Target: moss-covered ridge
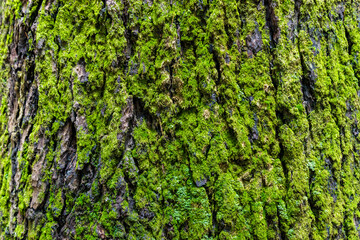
column 179, row 119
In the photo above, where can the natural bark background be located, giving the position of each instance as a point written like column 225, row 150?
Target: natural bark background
column 179, row 119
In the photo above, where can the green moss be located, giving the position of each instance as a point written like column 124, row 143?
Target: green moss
column 182, row 130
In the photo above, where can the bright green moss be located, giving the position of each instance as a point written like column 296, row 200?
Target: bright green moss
column 223, row 143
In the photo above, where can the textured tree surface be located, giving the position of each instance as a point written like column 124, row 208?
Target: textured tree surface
column 179, row 119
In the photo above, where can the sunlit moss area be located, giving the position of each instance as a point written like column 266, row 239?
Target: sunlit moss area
column 179, row 119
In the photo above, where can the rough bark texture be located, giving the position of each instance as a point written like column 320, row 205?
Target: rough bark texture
column 194, row 119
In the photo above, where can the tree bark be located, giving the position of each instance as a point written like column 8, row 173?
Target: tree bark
column 206, row 119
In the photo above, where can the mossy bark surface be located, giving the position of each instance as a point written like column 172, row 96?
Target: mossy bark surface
column 193, row 119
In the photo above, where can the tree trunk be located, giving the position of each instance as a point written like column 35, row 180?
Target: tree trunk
column 193, row 119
